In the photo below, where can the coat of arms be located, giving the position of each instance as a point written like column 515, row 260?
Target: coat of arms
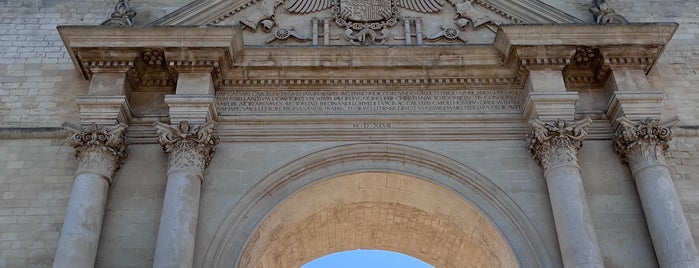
column 364, row 21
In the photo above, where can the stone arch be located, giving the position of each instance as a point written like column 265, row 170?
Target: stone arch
column 242, row 221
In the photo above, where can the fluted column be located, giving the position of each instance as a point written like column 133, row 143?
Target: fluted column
column 189, row 150
column 100, row 151
column 642, row 145
column 554, row 146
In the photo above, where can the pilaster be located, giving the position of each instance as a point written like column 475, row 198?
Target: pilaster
column 546, row 97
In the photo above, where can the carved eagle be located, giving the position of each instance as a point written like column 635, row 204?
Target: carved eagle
column 309, row 6
column 264, row 13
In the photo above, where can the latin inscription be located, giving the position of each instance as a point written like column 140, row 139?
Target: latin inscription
column 367, row 102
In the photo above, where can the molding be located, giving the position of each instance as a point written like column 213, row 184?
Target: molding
column 21, row 133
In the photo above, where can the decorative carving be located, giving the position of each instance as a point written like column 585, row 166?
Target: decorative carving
column 364, row 21
column 642, row 143
column 466, row 10
column 122, row 15
column 366, row 37
column 556, row 144
column 153, row 57
column 448, row 32
column 99, row 150
column 283, row 33
column 604, row 14
column 187, row 147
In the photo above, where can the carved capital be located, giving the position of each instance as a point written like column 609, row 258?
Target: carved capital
column 556, row 144
column 188, row 148
column 98, row 149
column 644, row 143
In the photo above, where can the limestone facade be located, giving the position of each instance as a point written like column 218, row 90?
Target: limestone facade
column 486, row 133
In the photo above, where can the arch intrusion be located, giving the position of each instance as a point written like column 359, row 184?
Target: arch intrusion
column 377, row 196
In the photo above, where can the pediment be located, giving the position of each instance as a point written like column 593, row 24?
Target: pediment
column 364, row 22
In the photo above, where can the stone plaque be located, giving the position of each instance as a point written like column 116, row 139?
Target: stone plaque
column 368, row 102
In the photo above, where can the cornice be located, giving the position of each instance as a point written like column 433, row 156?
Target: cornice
column 97, row 46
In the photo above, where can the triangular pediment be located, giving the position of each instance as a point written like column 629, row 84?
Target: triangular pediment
column 362, row 22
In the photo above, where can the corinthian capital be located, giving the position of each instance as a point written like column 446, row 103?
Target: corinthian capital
column 555, row 144
column 642, row 143
column 98, row 149
column 188, row 147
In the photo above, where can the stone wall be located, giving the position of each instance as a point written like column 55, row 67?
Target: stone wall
column 36, row 177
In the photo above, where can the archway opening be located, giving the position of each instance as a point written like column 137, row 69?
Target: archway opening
column 377, row 210
column 367, row 259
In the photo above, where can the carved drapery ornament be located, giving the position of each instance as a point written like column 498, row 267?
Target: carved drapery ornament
column 642, row 144
column 99, row 150
column 604, row 14
column 556, row 144
column 188, row 147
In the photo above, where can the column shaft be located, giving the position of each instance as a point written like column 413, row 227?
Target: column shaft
column 643, row 145
column 77, row 246
column 189, row 150
column 178, row 221
column 576, row 233
column 100, row 152
column 555, row 146
column 668, row 227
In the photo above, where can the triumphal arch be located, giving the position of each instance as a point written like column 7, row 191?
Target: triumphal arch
column 465, row 133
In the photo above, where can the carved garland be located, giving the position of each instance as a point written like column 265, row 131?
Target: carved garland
column 556, row 144
column 188, row 147
column 98, row 149
column 642, row 142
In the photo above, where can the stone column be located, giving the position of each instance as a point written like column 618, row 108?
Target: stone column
column 189, row 150
column 642, row 145
column 554, row 146
column 100, row 151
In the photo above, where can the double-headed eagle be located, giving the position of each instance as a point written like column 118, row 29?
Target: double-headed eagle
column 264, row 13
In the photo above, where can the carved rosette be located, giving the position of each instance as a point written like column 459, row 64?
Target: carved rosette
column 642, row 144
column 556, row 144
column 99, row 150
column 188, row 148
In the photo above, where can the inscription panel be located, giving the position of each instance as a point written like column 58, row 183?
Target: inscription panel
column 368, row 102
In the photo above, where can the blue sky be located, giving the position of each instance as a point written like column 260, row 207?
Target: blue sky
column 366, row 259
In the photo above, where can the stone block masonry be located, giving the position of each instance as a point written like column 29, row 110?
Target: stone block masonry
column 35, row 182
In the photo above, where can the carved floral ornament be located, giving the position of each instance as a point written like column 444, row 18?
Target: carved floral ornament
column 557, row 143
column 644, row 141
column 98, row 149
column 188, row 147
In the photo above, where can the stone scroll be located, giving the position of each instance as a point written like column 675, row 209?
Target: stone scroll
column 302, row 102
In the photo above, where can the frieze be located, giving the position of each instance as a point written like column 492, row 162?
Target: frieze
column 367, row 102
